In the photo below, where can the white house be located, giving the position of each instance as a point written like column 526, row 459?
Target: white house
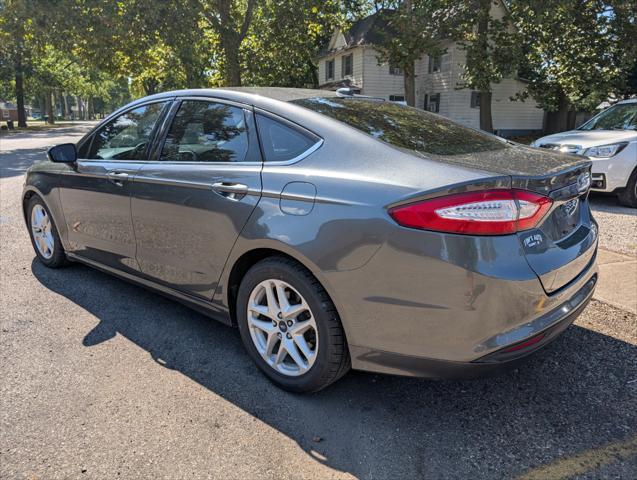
column 350, row 59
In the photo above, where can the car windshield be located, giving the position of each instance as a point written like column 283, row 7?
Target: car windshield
column 405, row 127
column 617, row 117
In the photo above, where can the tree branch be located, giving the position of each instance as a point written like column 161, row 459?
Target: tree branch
column 247, row 19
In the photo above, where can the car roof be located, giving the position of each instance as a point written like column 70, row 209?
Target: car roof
column 629, row 100
column 253, row 95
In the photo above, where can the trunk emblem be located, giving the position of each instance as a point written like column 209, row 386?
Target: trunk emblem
column 571, row 206
column 583, row 182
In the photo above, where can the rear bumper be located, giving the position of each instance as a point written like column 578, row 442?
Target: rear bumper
column 548, row 326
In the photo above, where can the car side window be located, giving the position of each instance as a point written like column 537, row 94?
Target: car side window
column 126, row 137
column 204, row 131
column 282, row 141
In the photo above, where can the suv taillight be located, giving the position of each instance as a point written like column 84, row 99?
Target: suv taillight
column 487, row 212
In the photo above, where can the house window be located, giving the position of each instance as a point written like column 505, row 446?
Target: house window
column 433, row 103
column 347, row 64
column 475, row 99
column 395, row 70
column 435, row 64
column 329, row 69
column 396, row 98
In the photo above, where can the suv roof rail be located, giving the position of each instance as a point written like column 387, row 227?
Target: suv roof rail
column 348, row 92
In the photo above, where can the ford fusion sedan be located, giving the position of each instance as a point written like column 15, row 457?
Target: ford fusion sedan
column 609, row 139
column 334, row 231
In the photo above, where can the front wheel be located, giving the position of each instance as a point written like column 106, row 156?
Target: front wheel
column 628, row 196
column 290, row 326
column 44, row 235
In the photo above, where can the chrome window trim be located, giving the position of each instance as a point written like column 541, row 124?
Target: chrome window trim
column 300, row 157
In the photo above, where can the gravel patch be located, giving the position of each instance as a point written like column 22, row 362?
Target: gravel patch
column 617, row 225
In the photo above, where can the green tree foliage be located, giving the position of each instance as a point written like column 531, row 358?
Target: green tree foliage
column 577, row 53
column 492, row 48
column 416, row 28
column 285, row 39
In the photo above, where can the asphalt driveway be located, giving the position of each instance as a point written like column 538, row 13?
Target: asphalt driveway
column 102, row 379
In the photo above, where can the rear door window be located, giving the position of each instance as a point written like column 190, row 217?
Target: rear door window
column 282, row 141
column 127, row 136
column 205, row 131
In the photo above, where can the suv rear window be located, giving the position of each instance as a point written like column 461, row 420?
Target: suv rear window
column 405, row 127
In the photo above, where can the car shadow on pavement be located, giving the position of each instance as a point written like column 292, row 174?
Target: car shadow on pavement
column 577, row 396
column 14, row 162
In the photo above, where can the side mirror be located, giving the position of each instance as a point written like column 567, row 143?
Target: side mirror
column 65, row 153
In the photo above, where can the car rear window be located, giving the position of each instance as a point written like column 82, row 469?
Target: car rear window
column 405, row 127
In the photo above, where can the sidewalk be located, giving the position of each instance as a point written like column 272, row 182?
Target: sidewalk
column 617, row 284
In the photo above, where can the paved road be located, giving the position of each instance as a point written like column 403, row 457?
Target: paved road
column 101, row 379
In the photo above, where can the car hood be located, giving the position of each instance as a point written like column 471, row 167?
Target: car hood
column 588, row 138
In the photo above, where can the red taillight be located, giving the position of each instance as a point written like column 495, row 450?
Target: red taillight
column 488, row 212
column 526, row 343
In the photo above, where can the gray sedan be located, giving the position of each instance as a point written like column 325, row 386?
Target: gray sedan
column 335, row 231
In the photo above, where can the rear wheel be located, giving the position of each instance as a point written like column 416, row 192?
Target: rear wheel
column 628, row 196
column 290, row 326
column 44, row 235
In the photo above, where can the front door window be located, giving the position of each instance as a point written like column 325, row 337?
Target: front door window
column 126, row 137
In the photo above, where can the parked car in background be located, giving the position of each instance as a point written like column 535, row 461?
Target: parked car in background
column 335, row 232
column 609, row 139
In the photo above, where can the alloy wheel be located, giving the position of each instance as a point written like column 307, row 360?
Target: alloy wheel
column 282, row 327
column 41, row 229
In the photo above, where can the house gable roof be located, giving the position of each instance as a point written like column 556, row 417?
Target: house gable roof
column 366, row 31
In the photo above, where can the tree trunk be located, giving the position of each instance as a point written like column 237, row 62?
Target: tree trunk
column 486, row 120
column 232, row 70
column 570, row 119
column 91, row 112
column 557, row 121
column 48, row 101
column 409, row 76
column 150, row 86
column 65, row 103
column 19, row 91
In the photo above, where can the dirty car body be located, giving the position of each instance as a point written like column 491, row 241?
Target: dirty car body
column 343, row 199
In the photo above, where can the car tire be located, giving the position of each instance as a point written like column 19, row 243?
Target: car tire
column 327, row 362
column 628, row 196
column 49, row 250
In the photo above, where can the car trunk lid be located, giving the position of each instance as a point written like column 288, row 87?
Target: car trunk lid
column 563, row 244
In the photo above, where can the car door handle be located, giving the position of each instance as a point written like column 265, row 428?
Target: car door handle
column 118, row 178
column 233, row 191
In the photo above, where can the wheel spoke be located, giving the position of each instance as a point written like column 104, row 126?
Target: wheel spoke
column 293, row 311
column 48, row 240
column 301, row 327
column 270, row 343
column 41, row 244
column 284, row 304
column 281, row 354
column 273, row 306
column 39, row 214
column 294, row 354
column 261, row 310
column 300, row 342
column 261, row 325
